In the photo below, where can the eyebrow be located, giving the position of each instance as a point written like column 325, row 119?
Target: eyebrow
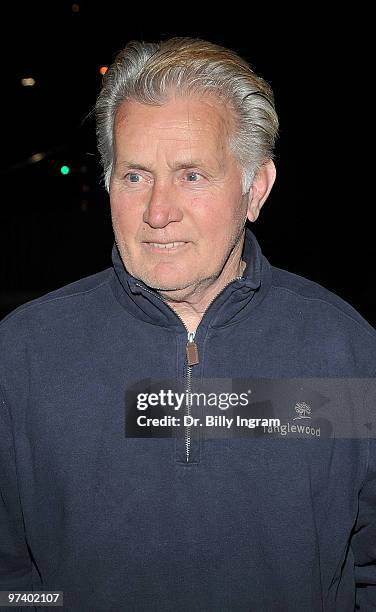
column 191, row 163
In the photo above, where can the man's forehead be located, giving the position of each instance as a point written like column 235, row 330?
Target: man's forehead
column 184, row 132
column 181, row 114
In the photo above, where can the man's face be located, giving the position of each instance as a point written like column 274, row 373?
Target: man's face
column 175, row 181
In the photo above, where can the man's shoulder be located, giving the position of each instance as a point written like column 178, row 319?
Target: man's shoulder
column 68, row 298
column 317, row 302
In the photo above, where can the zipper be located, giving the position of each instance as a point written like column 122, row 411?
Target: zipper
column 192, row 359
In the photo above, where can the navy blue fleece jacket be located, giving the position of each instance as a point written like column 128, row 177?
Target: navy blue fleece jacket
column 122, row 523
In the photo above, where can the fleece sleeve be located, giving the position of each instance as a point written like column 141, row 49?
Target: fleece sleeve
column 363, row 541
column 15, row 561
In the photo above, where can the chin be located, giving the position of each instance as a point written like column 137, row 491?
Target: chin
column 165, row 278
column 166, row 285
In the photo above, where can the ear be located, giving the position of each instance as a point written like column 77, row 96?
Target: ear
column 261, row 187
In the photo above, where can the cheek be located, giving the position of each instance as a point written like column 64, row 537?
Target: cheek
column 218, row 217
column 117, row 205
column 126, row 214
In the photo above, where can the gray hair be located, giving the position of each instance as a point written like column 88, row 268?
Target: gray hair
column 149, row 72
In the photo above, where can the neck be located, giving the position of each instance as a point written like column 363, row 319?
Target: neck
column 192, row 306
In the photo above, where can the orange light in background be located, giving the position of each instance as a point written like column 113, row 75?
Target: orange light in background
column 103, row 70
column 36, row 157
column 28, row 82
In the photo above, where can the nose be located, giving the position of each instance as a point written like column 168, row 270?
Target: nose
column 162, row 207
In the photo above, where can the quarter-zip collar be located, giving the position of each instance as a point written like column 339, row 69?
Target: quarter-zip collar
column 230, row 305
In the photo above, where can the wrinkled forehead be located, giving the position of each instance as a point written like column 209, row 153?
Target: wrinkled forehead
column 201, row 119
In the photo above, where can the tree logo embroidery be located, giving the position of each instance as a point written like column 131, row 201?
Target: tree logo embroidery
column 302, row 410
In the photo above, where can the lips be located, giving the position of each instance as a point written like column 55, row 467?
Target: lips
column 162, row 246
column 166, row 245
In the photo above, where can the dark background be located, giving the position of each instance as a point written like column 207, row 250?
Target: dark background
column 318, row 221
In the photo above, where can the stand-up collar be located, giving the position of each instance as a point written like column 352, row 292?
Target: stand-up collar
column 230, row 305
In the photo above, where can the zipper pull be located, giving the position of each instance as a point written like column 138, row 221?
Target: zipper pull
column 192, row 350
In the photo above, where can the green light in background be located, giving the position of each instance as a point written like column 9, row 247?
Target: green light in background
column 65, row 170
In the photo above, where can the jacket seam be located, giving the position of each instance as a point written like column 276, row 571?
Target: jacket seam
column 28, row 306
column 317, row 299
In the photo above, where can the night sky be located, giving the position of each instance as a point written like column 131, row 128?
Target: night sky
column 318, row 221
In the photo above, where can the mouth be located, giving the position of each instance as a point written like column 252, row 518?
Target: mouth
column 166, row 246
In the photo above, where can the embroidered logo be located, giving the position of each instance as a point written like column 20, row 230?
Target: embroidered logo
column 302, row 410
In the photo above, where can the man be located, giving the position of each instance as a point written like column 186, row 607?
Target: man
column 191, row 521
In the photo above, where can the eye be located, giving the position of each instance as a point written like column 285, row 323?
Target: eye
column 193, row 175
column 133, row 177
